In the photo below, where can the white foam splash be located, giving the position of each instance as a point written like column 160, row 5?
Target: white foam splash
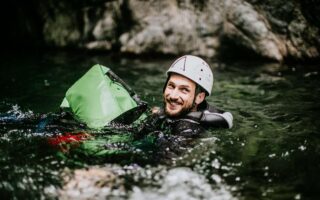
column 185, row 184
column 19, row 114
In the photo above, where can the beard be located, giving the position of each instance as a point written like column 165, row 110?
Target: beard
column 184, row 110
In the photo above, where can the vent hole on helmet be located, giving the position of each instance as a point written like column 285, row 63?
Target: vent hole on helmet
column 199, row 79
column 202, row 70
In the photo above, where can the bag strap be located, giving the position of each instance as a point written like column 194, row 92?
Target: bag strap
column 131, row 92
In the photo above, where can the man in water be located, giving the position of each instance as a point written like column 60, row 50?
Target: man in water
column 186, row 111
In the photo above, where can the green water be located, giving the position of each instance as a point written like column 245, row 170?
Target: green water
column 272, row 152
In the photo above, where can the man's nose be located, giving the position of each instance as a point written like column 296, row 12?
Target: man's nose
column 174, row 94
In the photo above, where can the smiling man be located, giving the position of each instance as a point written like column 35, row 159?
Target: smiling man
column 189, row 82
column 180, row 96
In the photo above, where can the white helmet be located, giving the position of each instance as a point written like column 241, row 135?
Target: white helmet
column 195, row 69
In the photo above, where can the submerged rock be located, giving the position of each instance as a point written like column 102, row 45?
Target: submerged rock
column 182, row 183
column 93, row 183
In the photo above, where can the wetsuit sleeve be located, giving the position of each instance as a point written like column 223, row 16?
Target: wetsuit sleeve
column 223, row 120
column 152, row 123
column 186, row 127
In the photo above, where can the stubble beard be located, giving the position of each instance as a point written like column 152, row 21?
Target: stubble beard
column 182, row 112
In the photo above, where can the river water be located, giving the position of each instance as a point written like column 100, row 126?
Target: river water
column 272, row 152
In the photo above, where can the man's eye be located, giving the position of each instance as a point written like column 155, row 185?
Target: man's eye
column 185, row 90
column 170, row 86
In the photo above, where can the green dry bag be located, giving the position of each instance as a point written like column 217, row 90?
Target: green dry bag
column 96, row 99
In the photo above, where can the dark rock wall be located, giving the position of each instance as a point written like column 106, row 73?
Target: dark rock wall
column 276, row 30
column 21, row 25
column 296, row 22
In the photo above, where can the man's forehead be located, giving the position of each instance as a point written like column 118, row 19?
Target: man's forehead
column 181, row 80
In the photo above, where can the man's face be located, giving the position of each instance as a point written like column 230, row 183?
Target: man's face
column 178, row 95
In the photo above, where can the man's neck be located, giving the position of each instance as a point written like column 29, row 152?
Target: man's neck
column 194, row 109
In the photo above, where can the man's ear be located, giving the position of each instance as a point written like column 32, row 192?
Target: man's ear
column 200, row 97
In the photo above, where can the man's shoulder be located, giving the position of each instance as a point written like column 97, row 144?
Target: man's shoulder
column 207, row 115
column 205, row 106
column 214, row 117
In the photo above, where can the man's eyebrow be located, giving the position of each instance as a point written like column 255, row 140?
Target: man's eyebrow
column 181, row 86
column 185, row 86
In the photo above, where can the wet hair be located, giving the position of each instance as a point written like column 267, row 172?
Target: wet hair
column 200, row 89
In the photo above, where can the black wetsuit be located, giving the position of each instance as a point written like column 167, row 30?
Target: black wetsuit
column 191, row 124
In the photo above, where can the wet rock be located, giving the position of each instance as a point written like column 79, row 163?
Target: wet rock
column 180, row 27
column 61, row 32
column 99, row 45
column 292, row 24
column 61, row 27
column 166, row 27
column 251, row 29
column 101, row 26
column 276, row 30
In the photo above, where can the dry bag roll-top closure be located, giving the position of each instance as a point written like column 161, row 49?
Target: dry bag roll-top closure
column 96, row 99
